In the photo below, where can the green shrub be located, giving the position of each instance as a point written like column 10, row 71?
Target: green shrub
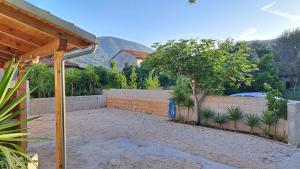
column 252, row 121
column 206, row 114
column 189, row 104
column 152, row 81
column 220, row 119
column 234, row 114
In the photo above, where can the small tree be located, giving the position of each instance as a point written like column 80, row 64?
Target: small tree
column 252, row 121
column 181, row 92
column 133, row 78
column 152, row 81
column 220, row 119
column 268, row 118
column 206, row 114
column 208, row 65
column 276, row 104
column 119, row 79
column 41, row 77
column 92, row 77
column 234, row 114
column 73, row 76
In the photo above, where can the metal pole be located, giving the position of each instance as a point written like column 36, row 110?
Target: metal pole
column 70, row 55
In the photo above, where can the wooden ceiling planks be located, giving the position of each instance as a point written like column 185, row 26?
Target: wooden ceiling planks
column 18, row 34
column 11, row 51
column 16, row 43
column 41, row 26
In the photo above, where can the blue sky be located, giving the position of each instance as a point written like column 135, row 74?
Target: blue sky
column 149, row 21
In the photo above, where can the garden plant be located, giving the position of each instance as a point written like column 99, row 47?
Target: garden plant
column 206, row 114
column 234, row 114
column 220, row 119
column 252, row 121
column 12, row 156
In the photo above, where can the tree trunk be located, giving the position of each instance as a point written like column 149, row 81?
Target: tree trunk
column 193, row 86
column 72, row 89
column 186, row 118
column 275, row 125
column 251, row 130
column 91, row 88
column 234, row 126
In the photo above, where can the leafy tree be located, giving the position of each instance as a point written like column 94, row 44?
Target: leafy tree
column 287, row 52
column 92, row 77
column 234, row 114
column 41, row 77
column 105, row 76
column 276, row 104
column 133, row 78
column 119, row 79
column 267, row 73
column 152, row 81
column 252, row 121
column 206, row 64
column 73, row 76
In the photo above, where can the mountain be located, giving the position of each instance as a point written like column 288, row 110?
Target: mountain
column 107, row 48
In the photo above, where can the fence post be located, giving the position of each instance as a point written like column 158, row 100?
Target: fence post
column 294, row 123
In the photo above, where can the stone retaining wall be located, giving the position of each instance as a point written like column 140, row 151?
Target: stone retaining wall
column 156, row 102
column 40, row 106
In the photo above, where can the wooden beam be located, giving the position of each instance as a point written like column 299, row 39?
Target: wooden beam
column 22, row 105
column 15, row 43
column 41, row 26
column 5, row 55
column 9, row 50
column 58, row 55
column 55, row 45
column 20, row 35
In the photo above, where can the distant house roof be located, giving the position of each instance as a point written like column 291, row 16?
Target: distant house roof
column 137, row 54
column 50, row 62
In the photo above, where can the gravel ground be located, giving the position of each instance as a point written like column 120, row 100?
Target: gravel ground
column 115, row 139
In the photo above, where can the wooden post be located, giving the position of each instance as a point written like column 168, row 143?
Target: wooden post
column 22, row 105
column 58, row 56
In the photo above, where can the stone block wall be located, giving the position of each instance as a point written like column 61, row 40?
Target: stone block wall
column 156, row 102
column 39, row 106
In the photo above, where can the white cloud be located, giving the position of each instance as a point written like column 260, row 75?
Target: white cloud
column 269, row 8
column 252, row 34
column 248, row 34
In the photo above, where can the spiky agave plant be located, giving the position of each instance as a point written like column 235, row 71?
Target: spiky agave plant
column 206, row 114
column 220, row 119
column 234, row 114
column 268, row 118
column 12, row 156
column 252, row 121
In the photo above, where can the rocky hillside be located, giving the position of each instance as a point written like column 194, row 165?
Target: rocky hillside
column 107, row 48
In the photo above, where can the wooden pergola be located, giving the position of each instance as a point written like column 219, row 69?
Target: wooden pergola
column 29, row 33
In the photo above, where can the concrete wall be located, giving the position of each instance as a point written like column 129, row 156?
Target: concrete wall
column 40, row 106
column 145, row 101
column 156, row 102
column 294, row 123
